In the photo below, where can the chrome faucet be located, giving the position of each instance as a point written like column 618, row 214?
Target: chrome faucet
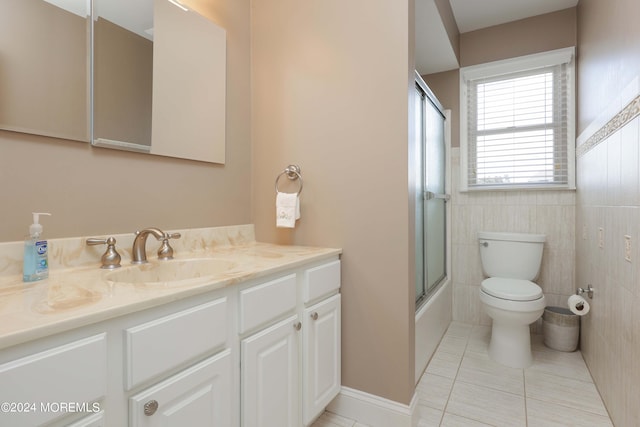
column 139, row 251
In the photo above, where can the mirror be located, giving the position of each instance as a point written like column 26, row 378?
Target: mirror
column 44, row 67
column 159, row 80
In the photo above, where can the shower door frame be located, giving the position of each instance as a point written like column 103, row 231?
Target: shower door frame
column 427, row 96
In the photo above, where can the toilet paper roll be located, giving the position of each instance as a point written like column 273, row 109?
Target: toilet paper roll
column 578, row 305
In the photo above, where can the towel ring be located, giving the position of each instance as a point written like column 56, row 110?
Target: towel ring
column 292, row 172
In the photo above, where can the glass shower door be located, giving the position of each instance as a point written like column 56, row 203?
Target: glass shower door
column 435, row 199
column 430, row 196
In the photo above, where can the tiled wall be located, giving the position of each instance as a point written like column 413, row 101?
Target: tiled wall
column 548, row 212
column 608, row 197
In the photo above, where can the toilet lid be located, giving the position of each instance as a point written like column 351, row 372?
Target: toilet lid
column 511, row 289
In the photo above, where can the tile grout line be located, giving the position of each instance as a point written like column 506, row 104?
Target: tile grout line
column 444, row 409
column 596, row 386
column 582, row 409
column 524, row 385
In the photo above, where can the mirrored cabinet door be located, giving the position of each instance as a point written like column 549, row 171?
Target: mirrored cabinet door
column 44, row 67
column 159, row 79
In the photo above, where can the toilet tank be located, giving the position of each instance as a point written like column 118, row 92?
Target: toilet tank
column 511, row 255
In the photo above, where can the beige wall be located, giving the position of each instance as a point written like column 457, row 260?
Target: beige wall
column 43, row 70
column 537, row 34
column 609, row 198
column 330, row 93
column 94, row 191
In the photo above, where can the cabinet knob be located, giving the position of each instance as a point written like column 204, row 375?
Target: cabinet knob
column 297, row 326
column 150, row 407
column 314, row 315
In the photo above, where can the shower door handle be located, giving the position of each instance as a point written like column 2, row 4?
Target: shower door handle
column 429, row 195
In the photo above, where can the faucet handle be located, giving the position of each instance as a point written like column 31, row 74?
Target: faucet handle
column 166, row 251
column 111, row 258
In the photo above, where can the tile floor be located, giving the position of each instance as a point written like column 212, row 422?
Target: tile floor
column 463, row 387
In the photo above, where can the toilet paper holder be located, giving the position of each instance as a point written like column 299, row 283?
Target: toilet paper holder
column 588, row 291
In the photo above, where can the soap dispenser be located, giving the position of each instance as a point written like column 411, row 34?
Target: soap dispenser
column 36, row 261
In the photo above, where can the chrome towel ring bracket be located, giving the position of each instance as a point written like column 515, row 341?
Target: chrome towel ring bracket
column 293, row 173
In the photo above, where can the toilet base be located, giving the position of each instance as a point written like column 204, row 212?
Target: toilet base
column 510, row 345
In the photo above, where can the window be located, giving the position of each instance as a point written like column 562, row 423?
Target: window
column 517, row 123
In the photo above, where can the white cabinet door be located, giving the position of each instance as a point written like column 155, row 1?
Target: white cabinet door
column 39, row 384
column 270, row 376
column 199, row 396
column 321, row 356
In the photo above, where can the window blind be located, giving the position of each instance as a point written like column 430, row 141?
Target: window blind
column 518, row 128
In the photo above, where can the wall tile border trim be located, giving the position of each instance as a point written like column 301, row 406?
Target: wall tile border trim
column 628, row 113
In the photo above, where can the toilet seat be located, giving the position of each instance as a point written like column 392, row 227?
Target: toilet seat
column 511, row 289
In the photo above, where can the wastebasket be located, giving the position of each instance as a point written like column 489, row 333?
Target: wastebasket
column 561, row 328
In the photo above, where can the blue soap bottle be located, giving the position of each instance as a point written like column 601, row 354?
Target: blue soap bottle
column 36, row 259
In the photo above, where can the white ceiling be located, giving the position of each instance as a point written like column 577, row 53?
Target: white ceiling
column 433, row 50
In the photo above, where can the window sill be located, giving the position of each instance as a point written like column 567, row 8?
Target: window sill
column 517, row 188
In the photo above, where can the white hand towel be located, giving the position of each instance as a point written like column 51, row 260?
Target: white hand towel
column 287, row 210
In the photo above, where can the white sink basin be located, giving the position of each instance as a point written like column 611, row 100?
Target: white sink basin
column 171, row 271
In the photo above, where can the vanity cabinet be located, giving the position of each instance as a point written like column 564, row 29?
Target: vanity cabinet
column 261, row 353
column 291, row 369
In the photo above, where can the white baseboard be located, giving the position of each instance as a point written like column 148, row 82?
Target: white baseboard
column 373, row 410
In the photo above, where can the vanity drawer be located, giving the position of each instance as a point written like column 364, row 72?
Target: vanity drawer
column 201, row 395
column 321, row 281
column 166, row 343
column 37, row 384
column 266, row 302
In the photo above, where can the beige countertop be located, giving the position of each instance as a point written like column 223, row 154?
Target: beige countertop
column 83, row 294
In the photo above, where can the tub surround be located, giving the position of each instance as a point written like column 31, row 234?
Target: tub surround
column 77, row 292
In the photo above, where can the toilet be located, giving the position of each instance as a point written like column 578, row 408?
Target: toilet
column 511, row 261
